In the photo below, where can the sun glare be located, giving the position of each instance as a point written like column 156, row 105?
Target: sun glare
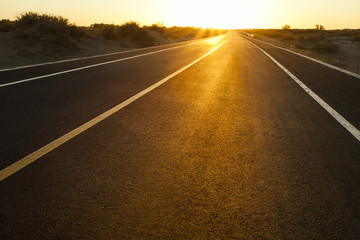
column 215, row 14
column 214, row 41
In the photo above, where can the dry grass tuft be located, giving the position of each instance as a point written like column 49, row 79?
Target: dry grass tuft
column 326, row 46
column 355, row 37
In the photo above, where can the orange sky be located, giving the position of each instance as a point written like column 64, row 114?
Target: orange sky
column 333, row 14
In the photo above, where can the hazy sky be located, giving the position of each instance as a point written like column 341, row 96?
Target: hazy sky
column 333, row 14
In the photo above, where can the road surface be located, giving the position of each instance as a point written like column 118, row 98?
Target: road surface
column 230, row 147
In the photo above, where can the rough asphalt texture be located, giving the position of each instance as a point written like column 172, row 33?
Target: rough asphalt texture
column 232, row 148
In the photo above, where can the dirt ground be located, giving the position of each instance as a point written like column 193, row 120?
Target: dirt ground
column 15, row 52
column 347, row 57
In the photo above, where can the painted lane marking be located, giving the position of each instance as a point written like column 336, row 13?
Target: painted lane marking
column 8, row 171
column 95, row 65
column 315, row 60
column 101, row 55
column 346, row 124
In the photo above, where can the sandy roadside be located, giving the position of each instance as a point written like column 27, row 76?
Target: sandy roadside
column 16, row 52
column 347, row 57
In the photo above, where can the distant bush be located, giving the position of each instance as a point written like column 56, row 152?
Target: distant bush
column 109, row 32
column 143, row 38
column 290, row 36
column 136, row 34
column 158, row 27
column 207, row 33
column 326, row 47
column 187, row 33
column 272, row 34
column 32, row 18
column 49, row 24
column 131, row 30
column 50, row 32
column 6, row 25
column 313, row 36
column 355, row 37
column 286, row 27
column 319, row 27
column 99, row 25
column 301, row 45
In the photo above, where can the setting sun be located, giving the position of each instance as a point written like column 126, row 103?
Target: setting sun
column 229, row 14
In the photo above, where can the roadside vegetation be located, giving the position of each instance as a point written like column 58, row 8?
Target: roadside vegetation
column 338, row 47
column 144, row 36
column 41, row 34
column 50, row 37
column 318, row 39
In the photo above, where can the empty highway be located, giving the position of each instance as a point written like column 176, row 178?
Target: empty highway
column 222, row 138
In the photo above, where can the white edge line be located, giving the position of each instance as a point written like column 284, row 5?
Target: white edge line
column 313, row 59
column 346, row 124
column 8, row 171
column 102, row 55
column 95, row 65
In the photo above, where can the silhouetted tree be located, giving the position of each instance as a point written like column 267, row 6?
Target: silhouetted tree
column 286, row 27
column 319, row 27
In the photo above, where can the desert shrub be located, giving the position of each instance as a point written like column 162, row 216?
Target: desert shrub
column 28, row 19
column 301, row 37
column 319, row 27
column 106, row 31
column 158, row 27
column 53, row 33
column 142, row 37
column 32, row 18
column 286, row 27
column 207, row 33
column 290, row 36
column 173, row 33
column 180, row 32
column 326, row 47
column 216, row 32
column 94, row 33
column 109, row 32
column 6, row 25
column 137, row 34
column 129, row 28
column 76, row 31
column 301, row 45
column 98, row 25
column 355, row 37
column 191, row 32
column 49, row 24
column 271, row 33
column 339, row 33
column 314, row 36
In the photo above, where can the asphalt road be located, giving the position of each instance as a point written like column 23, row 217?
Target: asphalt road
column 230, row 148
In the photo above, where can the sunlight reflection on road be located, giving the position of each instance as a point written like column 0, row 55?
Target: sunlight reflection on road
column 214, row 41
